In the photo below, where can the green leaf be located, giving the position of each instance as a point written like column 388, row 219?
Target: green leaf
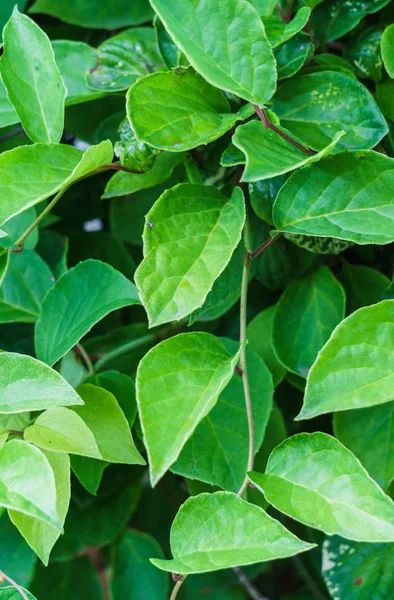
column 238, row 533
column 225, row 43
column 387, row 47
column 197, row 362
column 305, row 316
column 262, row 196
column 346, row 196
column 32, row 79
column 384, row 94
column 87, row 13
column 293, row 54
column 171, row 55
column 269, row 155
column 316, row 106
column 279, row 32
column 10, row 593
column 77, row 579
column 355, row 367
column 92, row 286
column 133, row 574
column 314, row 479
column 217, row 452
column 29, row 174
column 16, row 557
column 122, row 59
column 27, row 384
column 39, row 535
column 179, row 110
column 357, row 571
column 123, row 183
column 123, row 388
column 363, row 286
column 369, row 434
column 364, row 53
column 187, row 222
column 259, row 335
column 89, row 472
column 319, row 245
column 16, row 226
column 8, row 115
column 27, row 482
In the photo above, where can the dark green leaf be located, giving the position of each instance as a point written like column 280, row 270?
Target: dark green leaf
column 77, row 579
column 17, row 559
column 278, row 31
column 364, row 54
column 388, row 50
column 363, row 286
column 292, row 55
column 259, row 334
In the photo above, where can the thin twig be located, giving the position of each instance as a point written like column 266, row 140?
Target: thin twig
column 14, row 584
column 264, row 246
column 244, row 369
column 248, row 585
column 177, row 587
column 268, row 125
column 79, row 349
column 310, row 582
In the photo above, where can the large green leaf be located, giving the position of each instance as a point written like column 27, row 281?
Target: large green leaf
column 32, row 78
column 305, row 316
column 39, row 535
column 225, row 43
column 27, row 482
column 218, row 531
column 179, row 110
column 29, row 174
column 90, row 14
column 269, row 155
column 122, row 59
column 316, row 106
column 387, row 46
column 189, row 237
column 217, row 452
column 369, row 434
column 347, row 196
column 133, row 575
column 78, row 300
column 363, row 286
column 355, row 369
column 197, row 362
column 357, row 571
column 314, row 479
column 27, row 384
column 279, row 32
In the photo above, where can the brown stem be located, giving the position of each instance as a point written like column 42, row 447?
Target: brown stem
column 14, row 432
column 268, row 125
column 248, row 585
column 177, row 587
column 264, row 246
column 14, row 584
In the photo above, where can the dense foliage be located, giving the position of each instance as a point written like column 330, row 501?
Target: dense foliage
column 196, row 302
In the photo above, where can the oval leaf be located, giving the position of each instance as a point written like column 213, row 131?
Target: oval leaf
column 355, row 369
column 239, row 534
column 78, row 300
column 317, row 481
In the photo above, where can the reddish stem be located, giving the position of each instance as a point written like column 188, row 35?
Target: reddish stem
column 268, row 125
column 264, row 246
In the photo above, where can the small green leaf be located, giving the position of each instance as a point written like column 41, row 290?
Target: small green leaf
column 314, row 479
column 225, row 43
column 92, row 286
column 369, row 434
column 89, row 472
column 292, row 55
column 27, row 482
column 364, row 53
column 39, row 535
column 269, row 155
column 355, row 367
column 346, row 196
column 133, row 575
column 305, row 316
column 179, row 110
column 27, row 384
column 316, row 106
column 238, row 533
column 124, row 58
column 10, row 593
column 179, row 268
column 278, row 31
column 387, row 46
column 192, row 368
column 357, row 571
column 363, row 286
column 259, row 335
column 32, row 78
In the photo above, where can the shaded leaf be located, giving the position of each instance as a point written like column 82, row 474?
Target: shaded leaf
column 77, row 579
column 363, row 286
column 17, row 559
column 292, row 55
column 388, row 50
column 259, row 335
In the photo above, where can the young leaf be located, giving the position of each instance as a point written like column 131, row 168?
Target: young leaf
column 363, row 286
column 317, row 481
column 369, row 434
column 316, row 106
column 179, row 110
column 387, row 46
column 32, row 78
column 93, row 289
column 278, row 31
column 355, row 367
column 305, row 316
column 217, row 452
column 133, row 575
column 225, row 43
column 193, row 369
column 39, row 535
column 238, row 534
column 259, row 335
column 26, row 384
column 27, row 482
column 358, row 571
column 269, row 155
column 346, row 196
column 122, row 59
column 179, row 268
